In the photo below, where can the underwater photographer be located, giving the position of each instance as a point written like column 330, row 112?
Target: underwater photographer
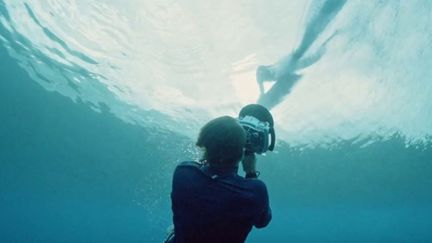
column 210, row 201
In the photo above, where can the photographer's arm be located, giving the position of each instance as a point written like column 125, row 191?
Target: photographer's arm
column 264, row 215
column 249, row 165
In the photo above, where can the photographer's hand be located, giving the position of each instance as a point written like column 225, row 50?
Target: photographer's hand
column 249, row 163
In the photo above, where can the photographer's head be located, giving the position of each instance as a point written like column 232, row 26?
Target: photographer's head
column 223, row 140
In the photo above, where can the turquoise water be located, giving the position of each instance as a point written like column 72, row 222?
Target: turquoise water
column 100, row 101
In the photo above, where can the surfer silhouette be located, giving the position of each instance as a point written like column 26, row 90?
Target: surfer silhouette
column 284, row 72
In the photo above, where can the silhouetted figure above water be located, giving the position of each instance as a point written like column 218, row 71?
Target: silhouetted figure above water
column 283, row 73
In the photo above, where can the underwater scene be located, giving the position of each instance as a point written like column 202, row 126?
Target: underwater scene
column 101, row 100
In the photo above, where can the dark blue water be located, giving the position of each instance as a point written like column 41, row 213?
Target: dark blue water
column 70, row 174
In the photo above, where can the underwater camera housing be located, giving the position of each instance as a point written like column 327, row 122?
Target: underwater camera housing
column 257, row 134
column 257, row 121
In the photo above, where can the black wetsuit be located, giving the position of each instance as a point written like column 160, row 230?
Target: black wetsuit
column 216, row 205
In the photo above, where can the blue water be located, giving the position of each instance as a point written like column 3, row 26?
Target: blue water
column 96, row 113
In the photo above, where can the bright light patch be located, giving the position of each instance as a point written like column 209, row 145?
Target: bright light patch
column 246, row 87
